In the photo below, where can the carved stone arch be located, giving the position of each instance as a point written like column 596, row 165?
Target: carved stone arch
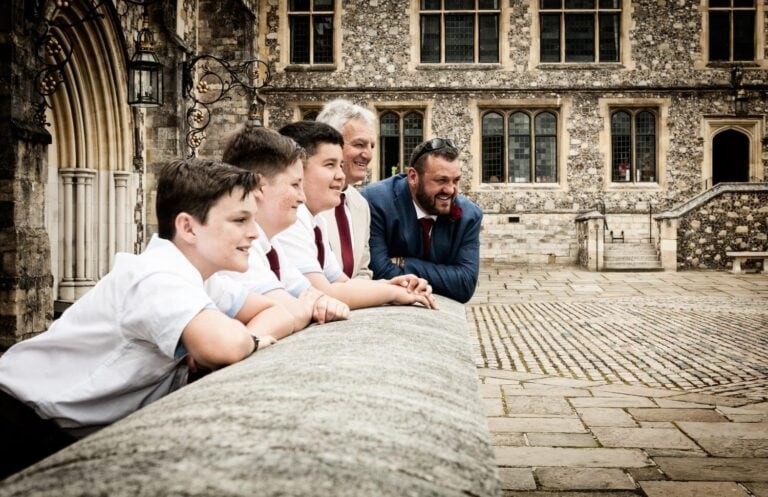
column 751, row 128
column 90, row 179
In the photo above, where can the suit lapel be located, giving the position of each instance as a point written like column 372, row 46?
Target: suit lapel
column 410, row 231
column 441, row 239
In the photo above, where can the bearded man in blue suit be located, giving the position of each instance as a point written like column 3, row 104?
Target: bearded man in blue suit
column 421, row 225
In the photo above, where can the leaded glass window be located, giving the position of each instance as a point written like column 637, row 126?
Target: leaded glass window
column 459, row 31
column 583, row 31
column 519, row 146
column 399, row 133
column 633, row 146
column 311, row 31
column 732, row 30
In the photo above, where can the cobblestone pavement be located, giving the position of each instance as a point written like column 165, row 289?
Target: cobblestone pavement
column 624, row 384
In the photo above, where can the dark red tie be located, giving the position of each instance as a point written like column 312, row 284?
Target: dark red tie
column 426, row 226
column 274, row 262
column 320, row 246
column 347, row 259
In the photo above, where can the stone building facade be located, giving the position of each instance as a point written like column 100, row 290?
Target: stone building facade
column 557, row 106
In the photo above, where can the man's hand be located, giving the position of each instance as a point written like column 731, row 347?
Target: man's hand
column 414, row 284
column 403, row 297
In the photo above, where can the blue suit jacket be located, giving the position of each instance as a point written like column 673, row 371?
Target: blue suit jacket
column 453, row 264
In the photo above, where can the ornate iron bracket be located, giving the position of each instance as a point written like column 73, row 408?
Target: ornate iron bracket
column 207, row 79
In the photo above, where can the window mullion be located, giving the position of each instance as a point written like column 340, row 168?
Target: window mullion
column 401, row 158
column 476, row 40
column 633, row 146
column 532, row 152
column 505, row 146
column 596, row 34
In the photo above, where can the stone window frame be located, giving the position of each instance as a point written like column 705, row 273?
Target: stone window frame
column 403, row 153
column 415, row 32
column 759, row 60
column 422, row 106
column 660, row 106
column 750, row 126
column 284, row 39
column 625, row 47
column 562, row 107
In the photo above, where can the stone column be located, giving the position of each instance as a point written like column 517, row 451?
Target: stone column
column 592, row 226
column 668, row 243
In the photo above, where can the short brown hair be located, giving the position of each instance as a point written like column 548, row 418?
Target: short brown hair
column 437, row 147
column 312, row 134
column 194, row 186
column 261, row 150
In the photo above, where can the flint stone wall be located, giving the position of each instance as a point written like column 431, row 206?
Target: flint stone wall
column 385, row 403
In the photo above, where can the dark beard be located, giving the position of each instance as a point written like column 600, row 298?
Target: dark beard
column 428, row 203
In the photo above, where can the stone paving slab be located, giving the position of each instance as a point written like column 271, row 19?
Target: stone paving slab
column 692, row 489
column 671, row 368
column 730, row 439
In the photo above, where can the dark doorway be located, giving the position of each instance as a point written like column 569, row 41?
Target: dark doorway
column 730, row 157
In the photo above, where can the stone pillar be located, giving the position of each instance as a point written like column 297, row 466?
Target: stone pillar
column 26, row 303
column 668, row 243
column 591, row 240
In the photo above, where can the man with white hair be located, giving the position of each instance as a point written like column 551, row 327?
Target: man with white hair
column 349, row 223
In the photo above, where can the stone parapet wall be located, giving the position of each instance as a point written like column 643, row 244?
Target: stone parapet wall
column 383, row 404
column 731, row 221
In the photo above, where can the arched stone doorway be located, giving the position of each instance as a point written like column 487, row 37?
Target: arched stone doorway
column 730, row 157
column 88, row 201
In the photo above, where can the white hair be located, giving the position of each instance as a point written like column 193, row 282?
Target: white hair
column 339, row 112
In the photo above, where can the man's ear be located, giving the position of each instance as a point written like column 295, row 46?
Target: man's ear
column 185, row 227
column 412, row 175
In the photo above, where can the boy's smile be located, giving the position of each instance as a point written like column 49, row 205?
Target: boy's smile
column 323, row 178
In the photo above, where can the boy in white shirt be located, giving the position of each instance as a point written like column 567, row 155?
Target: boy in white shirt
column 306, row 242
column 277, row 160
column 131, row 339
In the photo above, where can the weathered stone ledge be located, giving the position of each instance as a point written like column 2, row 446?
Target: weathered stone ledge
column 385, row 403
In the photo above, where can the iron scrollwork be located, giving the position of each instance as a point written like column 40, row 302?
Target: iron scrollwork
column 208, row 79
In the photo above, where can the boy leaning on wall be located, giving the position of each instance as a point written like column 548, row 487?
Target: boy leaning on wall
column 133, row 338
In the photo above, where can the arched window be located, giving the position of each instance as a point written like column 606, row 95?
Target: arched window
column 633, row 146
column 399, row 133
column 529, row 153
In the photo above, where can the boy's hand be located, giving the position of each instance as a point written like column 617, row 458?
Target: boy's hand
column 329, row 309
column 265, row 341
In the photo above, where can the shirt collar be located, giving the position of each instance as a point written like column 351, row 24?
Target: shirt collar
column 420, row 213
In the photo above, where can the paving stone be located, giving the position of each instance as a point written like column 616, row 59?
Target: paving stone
column 647, row 473
column 568, row 382
column 676, row 404
column 517, row 479
column 622, row 401
column 538, row 405
column 490, row 391
column 692, row 489
column 546, row 493
column 584, row 479
column 714, row 468
column 758, row 489
column 514, row 439
column 656, row 424
column 748, row 418
column 730, row 439
column 605, row 416
column 561, row 440
column 719, row 400
column 507, row 375
column 538, row 425
column 549, row 391
column 636, row 390
column 706, row 415
column 697, row 452
column 501, row 381
column 574, row 458
column 661, row 438
column 493, row 407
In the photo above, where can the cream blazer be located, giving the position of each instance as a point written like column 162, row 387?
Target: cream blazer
column 361, row 231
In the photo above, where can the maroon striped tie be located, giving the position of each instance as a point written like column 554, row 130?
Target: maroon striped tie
column 426, row 227
column 347, row 259
column 274, row 262
column 320, row 246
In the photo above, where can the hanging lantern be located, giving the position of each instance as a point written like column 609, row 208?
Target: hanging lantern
column 145, row 72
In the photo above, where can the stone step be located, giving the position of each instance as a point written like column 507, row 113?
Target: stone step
column 647, row 258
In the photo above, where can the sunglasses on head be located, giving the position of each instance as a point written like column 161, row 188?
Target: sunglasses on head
column 432, row 145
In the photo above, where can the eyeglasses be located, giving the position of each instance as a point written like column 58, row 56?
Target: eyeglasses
column 433, row 145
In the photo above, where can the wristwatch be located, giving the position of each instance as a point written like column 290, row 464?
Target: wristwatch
column 256, row 341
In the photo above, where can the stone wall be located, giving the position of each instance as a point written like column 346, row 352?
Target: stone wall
column 530, row 238
column 732, row 221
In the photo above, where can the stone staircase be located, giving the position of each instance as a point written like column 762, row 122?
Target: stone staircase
column 631, row 257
